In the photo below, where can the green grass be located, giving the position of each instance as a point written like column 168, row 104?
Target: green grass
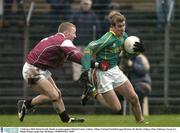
column 90, row 121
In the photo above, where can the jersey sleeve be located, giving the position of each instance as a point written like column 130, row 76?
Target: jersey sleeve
column 93, row 48
column 72, row 52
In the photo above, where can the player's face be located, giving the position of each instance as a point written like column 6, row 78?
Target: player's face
column 71, row 35
column 119, row 28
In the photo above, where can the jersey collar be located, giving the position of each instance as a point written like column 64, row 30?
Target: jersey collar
column 61, row 34
column 114, row 34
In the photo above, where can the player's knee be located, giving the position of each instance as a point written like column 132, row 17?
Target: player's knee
column 56, row 96
column 116, row 108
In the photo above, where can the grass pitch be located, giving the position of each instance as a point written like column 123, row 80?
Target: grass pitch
column 90, row 121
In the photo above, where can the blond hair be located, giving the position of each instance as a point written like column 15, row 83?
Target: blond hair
column 65, row 26
column 115, row 17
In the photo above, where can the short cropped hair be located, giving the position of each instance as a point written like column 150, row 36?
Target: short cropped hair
column 65, row 26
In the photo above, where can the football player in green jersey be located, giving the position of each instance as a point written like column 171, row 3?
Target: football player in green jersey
column 109, row 78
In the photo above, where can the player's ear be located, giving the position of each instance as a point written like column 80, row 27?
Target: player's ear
column 66, row 34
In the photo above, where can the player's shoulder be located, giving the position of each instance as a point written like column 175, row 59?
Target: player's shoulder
column 107, row 36
column 68, row 43
column 58, row 37
column 125, row 35
column 109, row 33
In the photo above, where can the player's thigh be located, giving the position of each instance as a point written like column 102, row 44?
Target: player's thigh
column 112, row 100
column 126, row 89
column 45, row 87
column 53, row 83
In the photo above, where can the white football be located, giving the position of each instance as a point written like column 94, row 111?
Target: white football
column 129, row 44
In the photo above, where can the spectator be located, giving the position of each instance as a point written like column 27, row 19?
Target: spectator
column 75, row 6
column 101, row 7
column 8, row 13
column 87, row 22
column 58, row 12
column 162, row 8
column 139, row 76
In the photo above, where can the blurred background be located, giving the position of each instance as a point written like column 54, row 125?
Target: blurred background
column 24, row 23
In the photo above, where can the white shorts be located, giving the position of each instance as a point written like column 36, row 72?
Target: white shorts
column 30, row 71
column 110, row 79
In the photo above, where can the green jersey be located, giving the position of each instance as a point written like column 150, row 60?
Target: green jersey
column 108, row 47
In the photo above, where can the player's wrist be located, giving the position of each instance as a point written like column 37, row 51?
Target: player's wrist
column 94, row 64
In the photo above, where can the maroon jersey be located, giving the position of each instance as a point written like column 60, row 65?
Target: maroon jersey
column 53, row 51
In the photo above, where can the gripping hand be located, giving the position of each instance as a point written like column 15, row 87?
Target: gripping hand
column 104, row 65
column 139, row 47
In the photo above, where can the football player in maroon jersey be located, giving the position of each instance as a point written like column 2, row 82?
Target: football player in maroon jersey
column 50, row 52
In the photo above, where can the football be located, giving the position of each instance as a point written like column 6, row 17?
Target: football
column 129, row 44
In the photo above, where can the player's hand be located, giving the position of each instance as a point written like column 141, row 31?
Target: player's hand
column 139, row 47
column 94, row 64
column 104, row 65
